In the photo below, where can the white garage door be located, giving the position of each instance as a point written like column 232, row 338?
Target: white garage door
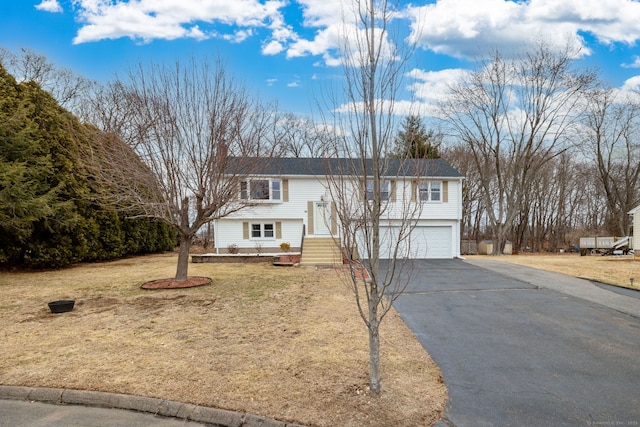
column 423, row 242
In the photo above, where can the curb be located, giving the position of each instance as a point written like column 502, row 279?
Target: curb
column 159, row 407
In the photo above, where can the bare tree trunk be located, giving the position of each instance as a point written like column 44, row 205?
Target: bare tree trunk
column 183, row 258
column 374, row 350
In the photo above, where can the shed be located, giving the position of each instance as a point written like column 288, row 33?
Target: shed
column 486, row 248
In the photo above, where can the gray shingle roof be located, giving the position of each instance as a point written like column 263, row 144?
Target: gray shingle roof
column 297, row 166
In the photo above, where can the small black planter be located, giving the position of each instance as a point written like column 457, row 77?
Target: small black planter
column 61, row 306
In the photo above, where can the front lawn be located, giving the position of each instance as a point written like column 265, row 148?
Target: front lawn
column 620, row 270
column 284, row 343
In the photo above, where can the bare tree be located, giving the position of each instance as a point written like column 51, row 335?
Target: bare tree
column 181, row 124
column 68, row 88
column 301, row 137
column 361, row 186
column 611, row 130
column 473, row 209
column 260, row 135
column 515, row 116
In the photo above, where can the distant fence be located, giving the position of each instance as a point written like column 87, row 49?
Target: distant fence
column 468, row 247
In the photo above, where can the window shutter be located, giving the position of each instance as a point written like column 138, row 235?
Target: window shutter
column 445, row 191
column 392, row 191
column 310, row 218
column 414, row 191
column 245, row 230
column 285, row 190
column 278, row 230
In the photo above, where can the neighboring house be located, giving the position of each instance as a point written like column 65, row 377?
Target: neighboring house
column 292, row 200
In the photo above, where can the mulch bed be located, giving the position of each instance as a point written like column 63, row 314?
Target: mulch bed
column 191, row 282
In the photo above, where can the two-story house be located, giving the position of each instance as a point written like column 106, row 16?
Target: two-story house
column 295, row 200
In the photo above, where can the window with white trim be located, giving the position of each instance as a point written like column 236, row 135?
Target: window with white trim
column 430, row 191
column 384, row 189
column 261, row 189
column 263, row 230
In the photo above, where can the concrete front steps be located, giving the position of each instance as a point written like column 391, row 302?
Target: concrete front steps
column 321, row 251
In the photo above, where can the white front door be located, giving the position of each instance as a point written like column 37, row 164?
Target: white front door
column 322, row 218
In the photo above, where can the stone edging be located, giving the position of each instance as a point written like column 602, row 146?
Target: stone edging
column 160, row 407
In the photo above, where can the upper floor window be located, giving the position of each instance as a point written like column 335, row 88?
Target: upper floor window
column 430, row 191
column 261, row 189
column 384, row 190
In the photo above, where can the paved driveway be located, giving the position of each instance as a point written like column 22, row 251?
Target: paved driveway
column 514, row 351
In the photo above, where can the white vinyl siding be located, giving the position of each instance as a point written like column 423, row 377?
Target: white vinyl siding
column 296, row 209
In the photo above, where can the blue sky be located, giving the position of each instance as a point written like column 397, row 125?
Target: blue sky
column 287, row 50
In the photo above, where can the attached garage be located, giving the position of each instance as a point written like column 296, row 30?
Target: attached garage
column 424, row 241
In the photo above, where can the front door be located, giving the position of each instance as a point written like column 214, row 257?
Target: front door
column 322, row 218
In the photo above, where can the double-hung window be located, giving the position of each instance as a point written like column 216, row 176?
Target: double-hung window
column 261, row 189
column 384, row 189
column 262, row 231
column 430, row 191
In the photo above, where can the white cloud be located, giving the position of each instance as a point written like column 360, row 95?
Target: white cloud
column 634, row 64
column 428, row 88
column 463, row 28
column 195, row 33
column 325, row 40
column 609, row 21
column 469, row 28
column 335, row 22
column 49, row 6
column 238, row 36
column 272, row 48
column 632, row 84
column 458, row 28
column 171, row 19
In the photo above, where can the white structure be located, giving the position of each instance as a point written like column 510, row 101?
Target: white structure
column 635, row 245
column 292, row 199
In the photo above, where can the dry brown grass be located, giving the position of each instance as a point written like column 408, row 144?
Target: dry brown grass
column 613, row 270
column 284, row 343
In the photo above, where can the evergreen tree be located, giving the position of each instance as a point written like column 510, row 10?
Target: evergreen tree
column 414, row 141
column 49, row 216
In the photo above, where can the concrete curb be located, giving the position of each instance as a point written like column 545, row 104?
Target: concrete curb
column 160, row 407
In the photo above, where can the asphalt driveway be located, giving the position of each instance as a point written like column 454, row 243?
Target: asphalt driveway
column 522, row 347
